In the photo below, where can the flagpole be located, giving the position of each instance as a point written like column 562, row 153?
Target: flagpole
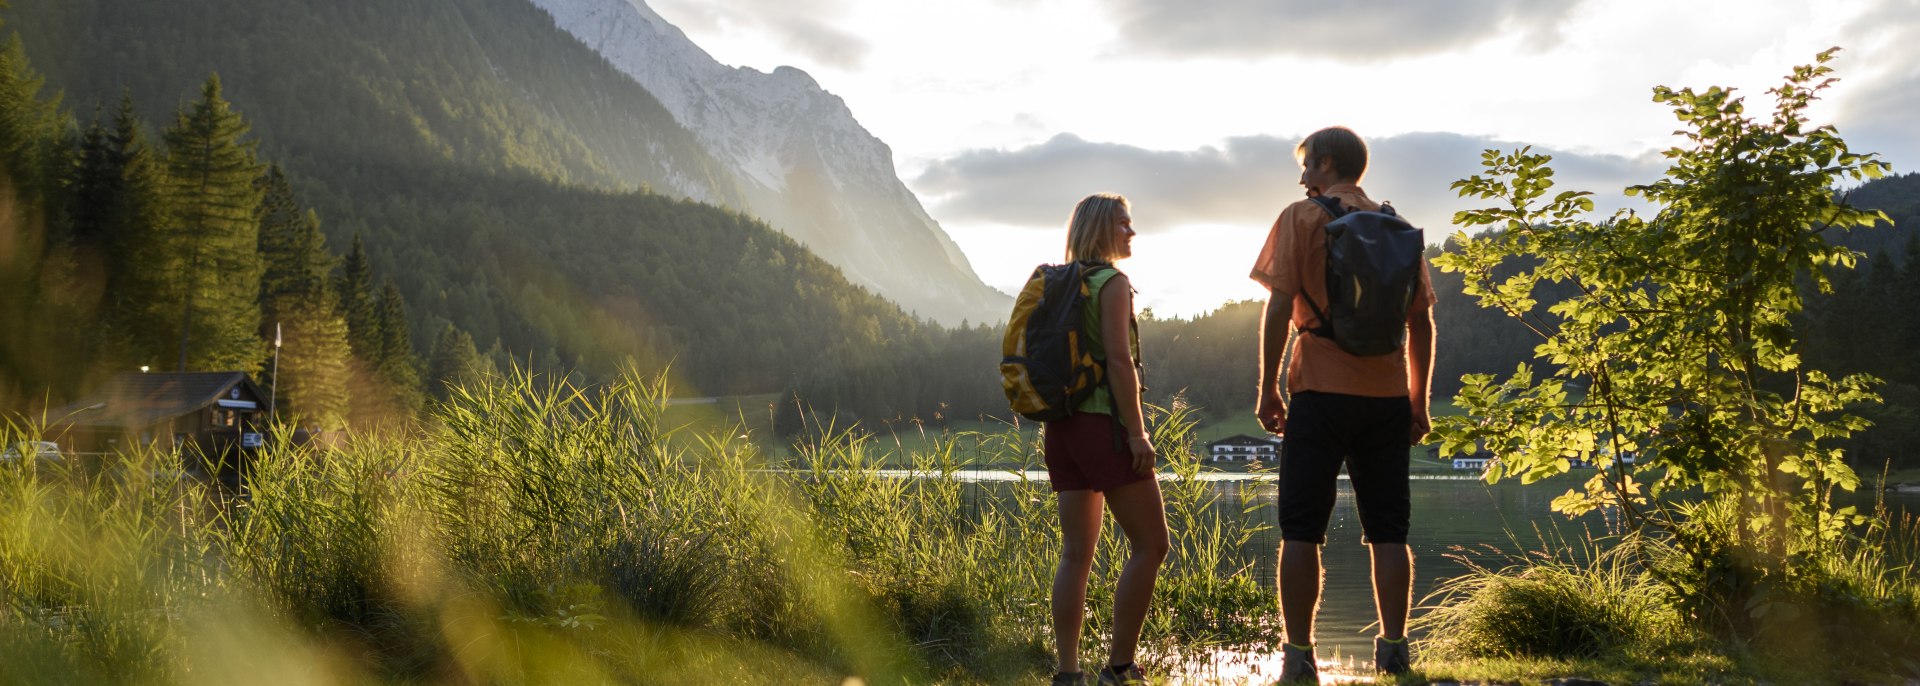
column 273, row 390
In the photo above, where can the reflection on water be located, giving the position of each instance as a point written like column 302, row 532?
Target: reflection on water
column 1452, row 516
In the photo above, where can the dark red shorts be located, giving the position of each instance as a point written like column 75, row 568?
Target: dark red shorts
column 1083, row 455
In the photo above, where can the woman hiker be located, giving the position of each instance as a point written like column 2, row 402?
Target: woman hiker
column 1100, row 455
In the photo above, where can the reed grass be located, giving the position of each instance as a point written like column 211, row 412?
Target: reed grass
column 534, row 531
column 1839, row 609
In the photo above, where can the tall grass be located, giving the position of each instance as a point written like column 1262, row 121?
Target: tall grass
column 1841, row 609
column 1583, row 601
column 537, row 532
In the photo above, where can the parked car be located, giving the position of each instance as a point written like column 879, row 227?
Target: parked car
column 44, row 451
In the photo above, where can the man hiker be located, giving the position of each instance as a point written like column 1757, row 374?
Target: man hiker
column 1363, row 410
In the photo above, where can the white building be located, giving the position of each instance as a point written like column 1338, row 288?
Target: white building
column 1243, row 448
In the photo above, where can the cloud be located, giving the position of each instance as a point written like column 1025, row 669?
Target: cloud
column 804, row 26
column 1244, row 182
column 1877, row 116
column 1349, row 32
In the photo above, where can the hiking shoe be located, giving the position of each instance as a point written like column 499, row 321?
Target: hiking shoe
column 1297, row 666
column 1069, row 679
column 1131, row 676
column 1390, row 656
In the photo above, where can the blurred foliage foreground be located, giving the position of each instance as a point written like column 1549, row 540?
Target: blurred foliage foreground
column 536, row 532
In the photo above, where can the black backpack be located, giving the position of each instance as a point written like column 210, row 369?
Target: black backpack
column 1373, row 267
column 1045, row 368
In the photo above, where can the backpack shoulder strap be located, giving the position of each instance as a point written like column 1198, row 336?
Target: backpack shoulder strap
column 1330, row 204
column 1323, row 325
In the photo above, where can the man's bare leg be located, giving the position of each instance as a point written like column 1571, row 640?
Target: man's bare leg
column 1299, row 589
column 1392, row 587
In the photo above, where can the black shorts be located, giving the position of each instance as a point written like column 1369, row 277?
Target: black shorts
column 1370, row 436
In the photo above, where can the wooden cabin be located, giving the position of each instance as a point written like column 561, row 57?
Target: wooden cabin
column 218, row 413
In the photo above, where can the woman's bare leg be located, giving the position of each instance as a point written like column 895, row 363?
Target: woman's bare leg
column 1142, row 516
column 1079, row 531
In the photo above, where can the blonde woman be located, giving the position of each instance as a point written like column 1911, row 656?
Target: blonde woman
column 1101, row 456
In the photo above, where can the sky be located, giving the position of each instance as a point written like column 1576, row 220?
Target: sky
column 1002, row 114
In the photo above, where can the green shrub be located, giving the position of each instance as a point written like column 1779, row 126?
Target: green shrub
column 1552, row 606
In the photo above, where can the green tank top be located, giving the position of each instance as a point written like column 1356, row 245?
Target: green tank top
column 1101, row 400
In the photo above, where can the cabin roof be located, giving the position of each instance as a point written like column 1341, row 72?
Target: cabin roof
column 1240, row 440
column 138, row 399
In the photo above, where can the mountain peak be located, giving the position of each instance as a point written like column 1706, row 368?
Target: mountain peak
column 806, row 165
column 796, row 74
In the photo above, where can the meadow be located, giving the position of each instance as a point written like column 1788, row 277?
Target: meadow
column 537, row 532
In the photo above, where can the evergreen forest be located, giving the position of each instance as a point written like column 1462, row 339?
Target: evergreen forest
column 408, row 196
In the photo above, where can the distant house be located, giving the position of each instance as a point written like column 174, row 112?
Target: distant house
column 1243, row 448
column 1476, row 462
column 220, row 413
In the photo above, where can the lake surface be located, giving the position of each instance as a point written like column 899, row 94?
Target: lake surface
column 1452, row 516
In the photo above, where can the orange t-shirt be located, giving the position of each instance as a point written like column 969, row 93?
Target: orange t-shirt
column 1295, row 260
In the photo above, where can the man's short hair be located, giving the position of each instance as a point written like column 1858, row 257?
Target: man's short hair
column 1349, row 153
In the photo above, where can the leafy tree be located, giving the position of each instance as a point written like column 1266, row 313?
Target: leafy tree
column 212, row 174
column 1676, row 345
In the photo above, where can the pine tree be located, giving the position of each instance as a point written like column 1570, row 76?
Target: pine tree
column 398, row 367
column 1906, row 321
column 292, row 247
column 144, row 284
column 211, row 174
column 310, row 382
column 297, row 303
column 96, row 185
column 357, row 303
column 29, row 137
column 30, row 132
column 455, row 361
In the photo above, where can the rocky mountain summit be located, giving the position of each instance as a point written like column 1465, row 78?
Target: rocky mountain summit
column 803, row 163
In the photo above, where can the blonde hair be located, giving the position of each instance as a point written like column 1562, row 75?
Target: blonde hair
column 1090, row 235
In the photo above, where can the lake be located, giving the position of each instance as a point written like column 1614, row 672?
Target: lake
column 1451, row 514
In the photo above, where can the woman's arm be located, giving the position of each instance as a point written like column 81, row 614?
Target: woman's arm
column 1116, row 320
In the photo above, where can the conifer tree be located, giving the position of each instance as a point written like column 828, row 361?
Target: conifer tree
column 292, row 247
column 29, row 154
column 313, row 371
column 1906, row 322
column 298, row 305
column 144, row 285
column 96, row 185
column 454, row 362
column 357, row 303
column 29, row 137
column 398, row 367
column 211, row 181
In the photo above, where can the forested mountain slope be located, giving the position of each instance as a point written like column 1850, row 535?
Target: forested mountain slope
column 479, row 152
column 805, row 163
column 494, row 85
column 484, row 84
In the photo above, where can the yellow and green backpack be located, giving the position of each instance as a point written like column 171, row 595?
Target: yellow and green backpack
column 1046, row 367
